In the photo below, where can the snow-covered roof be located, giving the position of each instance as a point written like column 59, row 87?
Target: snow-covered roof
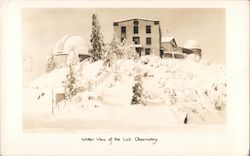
column 71, row 42
column 134, row 18
column 135, row 46
column 192, row 44
column 172, row 52
column 138, row 46
column 167, row 39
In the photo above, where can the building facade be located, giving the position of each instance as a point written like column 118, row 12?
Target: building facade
column 144, row 34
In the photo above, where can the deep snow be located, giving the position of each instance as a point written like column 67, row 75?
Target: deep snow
column 172, row 90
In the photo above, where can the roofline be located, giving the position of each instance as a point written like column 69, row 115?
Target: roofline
column 60, row 53
column 136, row 18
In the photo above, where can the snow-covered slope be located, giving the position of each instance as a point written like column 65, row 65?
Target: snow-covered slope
column 172, row 91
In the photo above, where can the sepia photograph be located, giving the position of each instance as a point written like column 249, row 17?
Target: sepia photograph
column 125, row 69
column 131, row 78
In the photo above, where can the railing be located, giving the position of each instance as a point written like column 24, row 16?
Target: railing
column 56, row 107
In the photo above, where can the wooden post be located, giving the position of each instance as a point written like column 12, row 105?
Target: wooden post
column 52, row 108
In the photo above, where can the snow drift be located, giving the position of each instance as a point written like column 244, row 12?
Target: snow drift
column 173, row 90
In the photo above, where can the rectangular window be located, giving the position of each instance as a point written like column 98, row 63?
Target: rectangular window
column 179, row 56
column 147, row 51
column 136, row 40
column 168, row 55
column 156, row 22
column 123, row 29
column 148, row 40
column 148, row 29
column 136, row 31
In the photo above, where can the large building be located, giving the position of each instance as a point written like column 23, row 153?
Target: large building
column 144, row 34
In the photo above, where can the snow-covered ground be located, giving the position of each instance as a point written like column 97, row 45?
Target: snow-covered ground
column 173, row 90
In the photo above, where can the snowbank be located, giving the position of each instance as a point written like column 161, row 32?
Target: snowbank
column 90, row 71
column 172, row 91
column 49, row 79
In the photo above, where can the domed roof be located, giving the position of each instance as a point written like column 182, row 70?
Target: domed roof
column 192, row 44
column 71, row 42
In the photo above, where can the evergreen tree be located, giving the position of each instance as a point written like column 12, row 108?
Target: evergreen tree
column 70, row 84
column 108, row 57
column 137, row 90
column 51, row 65
column 129, row 51
column 115, row 47
column 96, row 40
column 117, row 75
column 72, row 58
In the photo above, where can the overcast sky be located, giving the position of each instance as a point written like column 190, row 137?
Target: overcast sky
column 42, row 28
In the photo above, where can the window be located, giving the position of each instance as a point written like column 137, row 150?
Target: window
column 168, row 55
column 156, row 22
column 123, row 29
column 136, row 22
column 148, row 40
column 136, row 31
column 179, row 56
column 147, row 51
column 136, row 40
column 148, row 29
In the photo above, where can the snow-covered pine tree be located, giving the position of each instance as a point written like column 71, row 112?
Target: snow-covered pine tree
column 124, row 48
column 117, row 74
column 108, row 57
column 51, row 65
column 115, row 47
column 96, row 40
column 137, row 90
column 69, row 84
column 129, row 51
column 73, row 58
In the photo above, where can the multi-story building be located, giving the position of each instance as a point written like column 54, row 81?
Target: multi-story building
column 144, row 34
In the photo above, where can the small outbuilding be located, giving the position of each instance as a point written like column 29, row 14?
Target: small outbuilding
column 168, row 44
column 169, row 48
column 192, row 47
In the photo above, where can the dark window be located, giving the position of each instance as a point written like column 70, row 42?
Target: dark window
column 168, row 55
column 115, row 24
column 147, row 51
column 136, row 31
column 156, row 22
column 179, row 56
column 136, row 40
column 136, row 22
column 148, row 40
column 148, row 29
column 123, row 29
column 82, row 57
